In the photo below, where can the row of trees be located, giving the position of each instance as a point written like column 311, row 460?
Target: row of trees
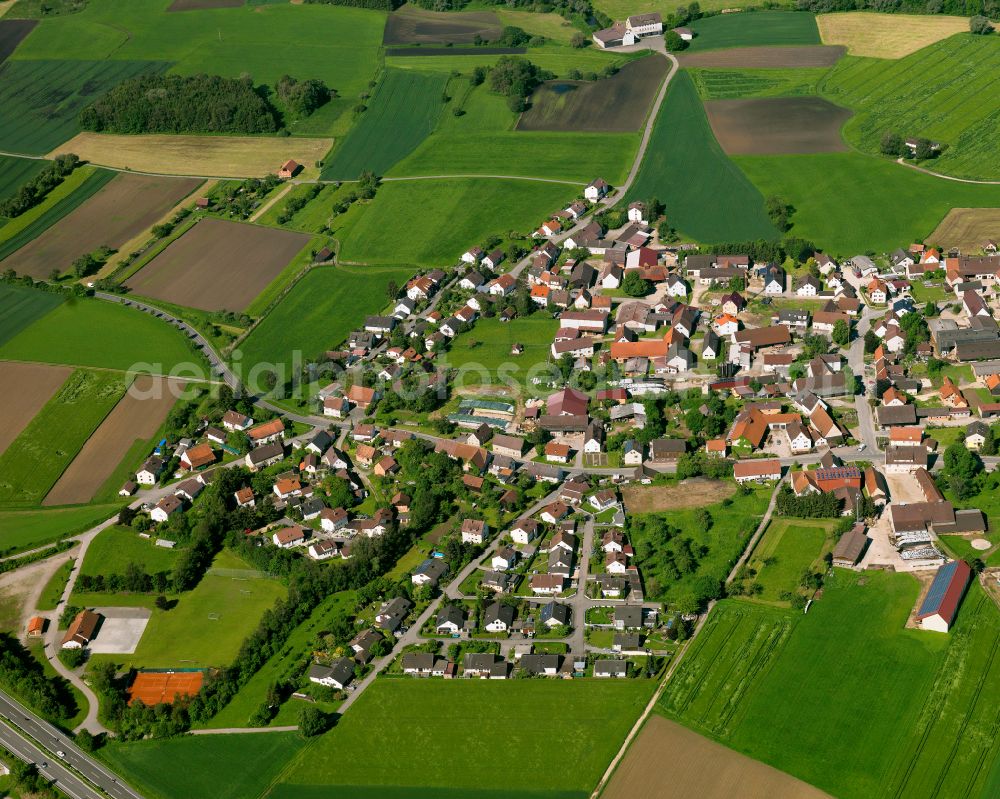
column 35, row 190
column 22, row 676
column 963, row 8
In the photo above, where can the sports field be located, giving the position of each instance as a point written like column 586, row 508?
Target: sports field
column 215, row 765
column 322, row 308
column 41, row 99
column 217, row 156
column 75, row 190
column 488, row 344
column 967, row 228
column 27, row 529
column 723, row 84
column 888, row 202
column 218, row 265
column 116, row 547
column 136, row 418
column 127, row 205
column 20, row 306
column 35, row 459
column 208, row 624
column 444, row 721
column 91, row 332
column 887, row 35
column 617, row 104
column 573, row 157
column 403, row 112
column 721, row 204
column 435, row 221
column 15, row 172
column 788, row 548
column 36, row 383
column 758, row 29
column 945, row 92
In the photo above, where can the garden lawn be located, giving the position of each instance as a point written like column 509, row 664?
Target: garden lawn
column 21, row 530
column 572, row 157
column 793, row 546
column 431, row 726
column 91, row 332
column 403, row 112
column 945, row 92
column 758, row 29
column 15, row 172
column 493, row 340
column 706, row 195
column 432, row 222
column 116, row 547
column 208, row 624
column 73, row 192
column 319, row 311
column 219, row 766
column 867, row 202
column 288, row 665
column 39, row 455
column 20, row 306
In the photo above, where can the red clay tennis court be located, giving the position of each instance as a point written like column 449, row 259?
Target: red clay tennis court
column 153, row 687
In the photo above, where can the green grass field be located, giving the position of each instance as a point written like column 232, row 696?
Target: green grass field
column 322, row 308
column 758, row 29
column 432, row 728
column 282, row 666
column 945, row 92
column 116, row 547
column 90, row 332
column 495, row 339
column 21, row 306
column 788, row 548
column 42, row 98
column 403, row 112
column 53, row 590
column 21, row 530
column 209, row 623
column 867, row 202
column 724, row 84
column 432, row 222
column 573, row 157
column 552, row 57
column 733, row 522
column 15, row 172
column 69, row 195
column 220, row 766
column 314, row 216
column 336, row 44
column 39, row 455
column 706, row 195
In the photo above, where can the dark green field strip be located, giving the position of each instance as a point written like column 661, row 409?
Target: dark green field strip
column 15, row 172
column 94, row 183
column 706, row 195
column 19, row 307
column 755, row 29
column 402, row 114
column 41, row 99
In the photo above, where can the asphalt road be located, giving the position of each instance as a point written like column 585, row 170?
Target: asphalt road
column 30, row 727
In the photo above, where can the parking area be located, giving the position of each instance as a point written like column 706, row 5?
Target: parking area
column 120, row 631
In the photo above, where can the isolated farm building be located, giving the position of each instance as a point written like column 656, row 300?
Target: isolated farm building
column 36, row 626
column 82, row 630
column 289, row 169
column 337, row 675
column 615, row 36
column 650, row 24
column 746, row 471
column 686, row 34
column 937, row 611
column 850, row 547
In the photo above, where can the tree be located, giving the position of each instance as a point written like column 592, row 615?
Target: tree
column 930, row 309
column 673, row 42
column 634, row 285
column 892, row 144
column 162, row 603
column 871, row 342
column 924, row 150
column 391, row 289
column 841, row 334
column 779, row 212
column 312, row 721
column 578, row 40
column 980, row 25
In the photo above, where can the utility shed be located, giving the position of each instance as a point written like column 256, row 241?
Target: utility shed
column 941, row 603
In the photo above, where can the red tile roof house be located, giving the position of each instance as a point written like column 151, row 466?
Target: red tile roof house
column 267, row 432
column 289, row 169
column 197, row 456
column 362, row 396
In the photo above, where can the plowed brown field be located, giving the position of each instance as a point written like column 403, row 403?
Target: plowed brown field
column 24, row 389
column 765, row 57
column 691, row 493
column 778, row 125
column 668, row 761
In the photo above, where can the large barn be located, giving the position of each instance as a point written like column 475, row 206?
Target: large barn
column 941, row 603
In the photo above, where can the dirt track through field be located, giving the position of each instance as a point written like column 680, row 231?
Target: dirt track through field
column 691, row 493
column 218, row 265
column 134, row 418
column 668, row 761
column 765, row 57
column 125, row 207
column 26, row 388
column 778, row 125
